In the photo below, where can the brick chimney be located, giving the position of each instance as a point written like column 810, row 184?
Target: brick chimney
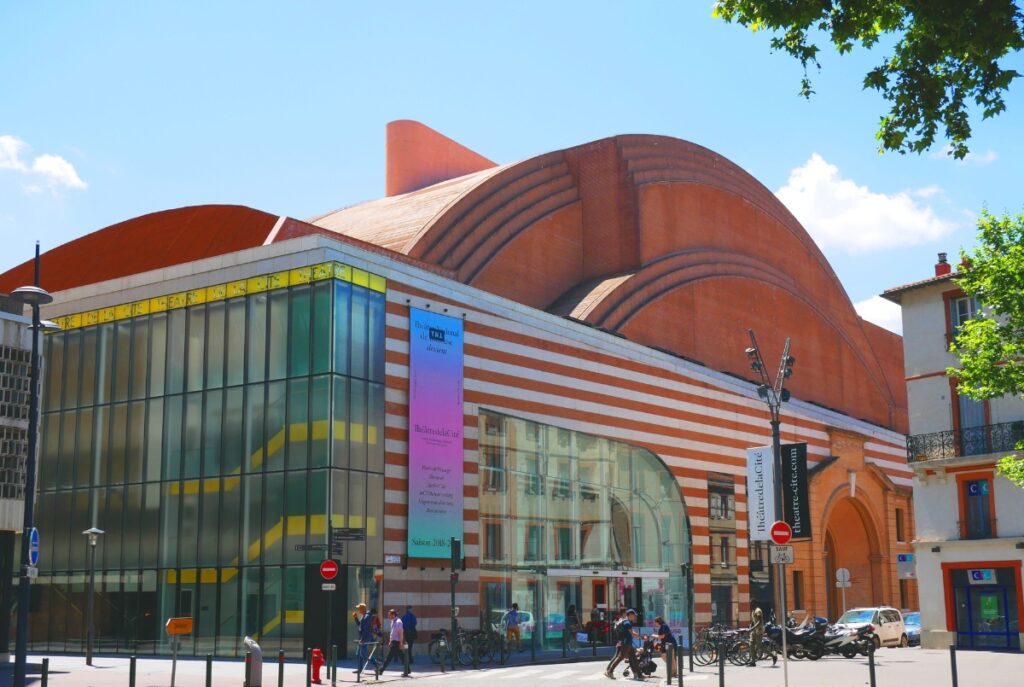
column 418, row 156
column 942, row 266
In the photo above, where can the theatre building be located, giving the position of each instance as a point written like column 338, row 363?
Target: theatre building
column 544, row 359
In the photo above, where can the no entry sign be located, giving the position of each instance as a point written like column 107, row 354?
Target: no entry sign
column 781, row 532
column 328, row 570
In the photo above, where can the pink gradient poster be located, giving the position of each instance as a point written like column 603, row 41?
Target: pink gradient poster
column 435, row 433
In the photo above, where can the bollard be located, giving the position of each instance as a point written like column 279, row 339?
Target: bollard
column 593, row 644
column 670, row 657
column 248, row 669
column 679, row 660
column 44, row 678
column 309, row 667
column 209, row 670
column 280, row 668
column 871, row 665
column 565, row 640
column 474, row 646
column 501, row 648
column 721, row 665
column 332, row 669
column 533, row 645
column 131, row 672
column 952, row 664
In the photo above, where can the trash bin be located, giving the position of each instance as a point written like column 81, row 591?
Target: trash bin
column 256, row 672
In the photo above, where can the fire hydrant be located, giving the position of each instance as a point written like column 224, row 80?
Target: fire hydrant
column 318, row 663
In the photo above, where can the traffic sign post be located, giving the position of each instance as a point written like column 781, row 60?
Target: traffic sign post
column 781, row 534
column 33, row 548
column 328, row 571
column 843, row 582
column 176, row 627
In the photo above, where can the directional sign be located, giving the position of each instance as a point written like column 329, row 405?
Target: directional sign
column 179, row 626
column 781, row 554
column 311, row 547
column 33, row 547
column 781, row 532
column 348, row 534
column 329, row 570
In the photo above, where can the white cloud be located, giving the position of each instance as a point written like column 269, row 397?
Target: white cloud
column 841, row 214
column 57, row 171
column 11, row 148
column 50, row 171
column 885, row 314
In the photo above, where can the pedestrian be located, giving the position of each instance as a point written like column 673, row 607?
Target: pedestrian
column 624, row 651
column 572, row 626
column 667, row 639
column 756, row 634
column 364, row 631
column 396, row 638
column 409, row 627
column 512, row 627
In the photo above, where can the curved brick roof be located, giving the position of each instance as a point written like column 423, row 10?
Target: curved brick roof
column 149, row 242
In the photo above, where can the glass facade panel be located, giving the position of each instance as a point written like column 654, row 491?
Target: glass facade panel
column 575, row 522
column 208, row 442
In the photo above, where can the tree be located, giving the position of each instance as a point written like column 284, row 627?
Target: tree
column 990, row 347
column 946, row 59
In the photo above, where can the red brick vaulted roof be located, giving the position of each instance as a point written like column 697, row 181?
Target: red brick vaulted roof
column 149, row 242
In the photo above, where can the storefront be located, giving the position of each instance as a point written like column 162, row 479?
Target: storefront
column 576, row 524
column 984, row 604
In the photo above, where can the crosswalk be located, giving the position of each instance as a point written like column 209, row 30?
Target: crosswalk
column 590, row 673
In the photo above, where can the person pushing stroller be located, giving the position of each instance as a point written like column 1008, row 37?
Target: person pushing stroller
column 624, row 634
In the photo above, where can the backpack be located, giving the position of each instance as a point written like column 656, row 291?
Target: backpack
column 622, row 632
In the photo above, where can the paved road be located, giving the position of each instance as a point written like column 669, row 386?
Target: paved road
column 894, row 668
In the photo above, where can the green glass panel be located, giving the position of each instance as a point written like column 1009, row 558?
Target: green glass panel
column 375, row 428
column 321, row 327
column 82, row 469
column 342, row 325
column 357, row 425
column 136, row 456
column 192, row 436
column 100, row 455
column 196, row 347
column 133, row 519
column 297, row 521
column 213, row 425
column 172, row 437
column 88, row 394
column 235, row 361
column 277, row 350
column 229, row 631
column 359, row 332
column 66, row 452
column 111, row 520
column 54, row 370
column 188, row 530
column 117, row 447
column 122, row 358
column 273, row 518
column 375, row 336
column 150, row 525
column 157, row 354
column 175, row 351
column 299, row 332
column 320, row 412
column 209, row 522
column 276, row 437
column 169, row 532
column 234, row 431
column 215, row 345
column 252, row 519
column 339, row 426
column 298, row 424
column 257, row 337
column 254, row 423
column 154, row 439
column 140, row 356
column 230, row 520
column 104, row 363
column 72, row 368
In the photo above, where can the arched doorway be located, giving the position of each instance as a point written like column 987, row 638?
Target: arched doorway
column 851, row 542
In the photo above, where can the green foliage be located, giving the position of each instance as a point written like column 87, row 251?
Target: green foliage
column 990, row 348
column 1012, row 468
column 945, row 59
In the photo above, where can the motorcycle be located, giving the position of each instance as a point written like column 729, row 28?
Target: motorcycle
column 847, row 641
column 805, row 642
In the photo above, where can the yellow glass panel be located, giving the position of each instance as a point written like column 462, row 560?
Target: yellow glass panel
column 378, row 283
column 235, row 288
column 215, row 293
column 176, row 300
column 158, row 304
column 122, row 312
column 342, row 272
column 106, row 314
column 91, row 317
column 140, row 308
column 325, row 270
column 256, row 284
column 74, row 321
column 360, row 277
column 195, row 296
column 300, row 275
column 277, row 280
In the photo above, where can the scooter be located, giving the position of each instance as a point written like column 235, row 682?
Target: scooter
column 801, row 643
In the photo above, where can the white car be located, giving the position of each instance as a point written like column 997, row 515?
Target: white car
column 888, row 623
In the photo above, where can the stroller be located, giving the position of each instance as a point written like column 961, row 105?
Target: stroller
column 645, row 657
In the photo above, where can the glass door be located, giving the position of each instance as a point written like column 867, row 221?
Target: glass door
column 562, row 600
column 983, row 618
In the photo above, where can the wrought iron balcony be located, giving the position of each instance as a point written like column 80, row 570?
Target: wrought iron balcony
column 969, row 441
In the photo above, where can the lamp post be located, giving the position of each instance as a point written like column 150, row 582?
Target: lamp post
column 34, row 297
column 94, row 536
column 774, row 394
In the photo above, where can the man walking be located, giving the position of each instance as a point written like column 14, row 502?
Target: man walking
column 395, row 641
column 624, row 633
column 756, row 634
column 409, row 628
column 364, row 630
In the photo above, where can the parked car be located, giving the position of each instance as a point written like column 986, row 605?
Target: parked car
column 912, row 621
column 888, row 622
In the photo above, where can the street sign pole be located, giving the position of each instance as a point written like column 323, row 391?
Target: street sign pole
column 781, row 534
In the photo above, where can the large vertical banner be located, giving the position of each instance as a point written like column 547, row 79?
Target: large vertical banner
column 760, row 492
column 435, row 433
column 796, row 504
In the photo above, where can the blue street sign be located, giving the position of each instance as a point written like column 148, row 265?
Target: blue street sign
column 33, row 547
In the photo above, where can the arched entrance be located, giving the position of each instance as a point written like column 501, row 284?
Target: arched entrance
column 851, row 542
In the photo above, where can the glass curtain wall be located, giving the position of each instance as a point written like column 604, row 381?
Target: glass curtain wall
column 210, row 439
column 556, row 506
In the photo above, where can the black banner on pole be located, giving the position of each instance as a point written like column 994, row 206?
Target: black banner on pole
column 796, row 505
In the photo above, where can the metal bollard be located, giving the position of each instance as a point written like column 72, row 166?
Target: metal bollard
column 533, row 645
column 952, row 664
column 44, row 678
column 332, row 669
column 565, row 641
column 248, row 669
column 474, row 646
column 871, row 665
column 309, row 667
column 721, row 666
column 593, row 644
column 209, row 670
column 679, row 660
column 670, row 657
column 280, row 668
column 131, row 672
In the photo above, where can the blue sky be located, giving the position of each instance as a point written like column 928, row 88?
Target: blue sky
column 109, row 110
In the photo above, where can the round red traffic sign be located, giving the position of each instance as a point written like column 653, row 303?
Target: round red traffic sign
column 781, row 532
column 328, row 570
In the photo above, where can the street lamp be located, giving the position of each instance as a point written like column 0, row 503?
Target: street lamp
column 94, row 536
column 34, row 297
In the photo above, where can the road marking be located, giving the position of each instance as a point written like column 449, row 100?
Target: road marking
column 588, row 678
column 487, row 673
column 521, row 673
column 559, row 675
